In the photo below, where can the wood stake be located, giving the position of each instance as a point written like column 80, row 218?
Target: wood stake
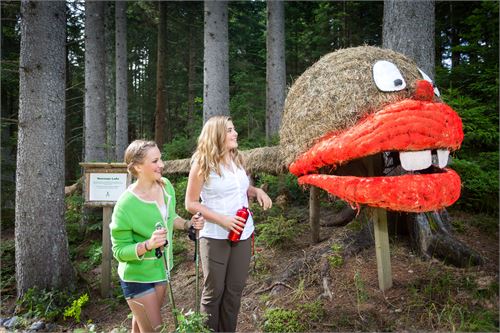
column 314, row 213
column 106, row 252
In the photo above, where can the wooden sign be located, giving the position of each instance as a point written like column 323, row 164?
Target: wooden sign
column 104, row 183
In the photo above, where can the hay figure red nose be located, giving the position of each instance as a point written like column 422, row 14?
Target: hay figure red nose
column 424, row 91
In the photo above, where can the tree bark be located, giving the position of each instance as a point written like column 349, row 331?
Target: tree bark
column 216, row 60
column 275, row 67
column 161, row 92
column 42, row 257
column 121, row 79
column 191, row 65
column 110, row 86
column 409, row 28
column 95, row 78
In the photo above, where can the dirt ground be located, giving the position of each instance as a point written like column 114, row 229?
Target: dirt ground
column 357, row 304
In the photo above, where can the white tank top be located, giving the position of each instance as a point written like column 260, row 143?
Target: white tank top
column 226, row 194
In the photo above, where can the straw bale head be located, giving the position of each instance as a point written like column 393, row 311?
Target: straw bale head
column 357, row 105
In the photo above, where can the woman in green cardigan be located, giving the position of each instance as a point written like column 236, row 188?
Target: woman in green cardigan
column 147, row 202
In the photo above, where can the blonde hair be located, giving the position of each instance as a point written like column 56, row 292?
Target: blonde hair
column 212, row 147
column 135, row 154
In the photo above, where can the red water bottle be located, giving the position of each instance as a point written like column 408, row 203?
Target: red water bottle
column 242, row 212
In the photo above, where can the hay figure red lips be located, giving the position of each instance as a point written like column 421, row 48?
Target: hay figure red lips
column 360, row 102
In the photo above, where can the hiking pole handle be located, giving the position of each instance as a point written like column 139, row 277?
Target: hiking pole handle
column 158, row 253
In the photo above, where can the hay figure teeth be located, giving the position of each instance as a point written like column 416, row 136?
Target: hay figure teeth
column 362, row 102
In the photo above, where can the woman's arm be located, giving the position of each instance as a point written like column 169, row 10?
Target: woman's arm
column 197, row 221
column 193, row 205
column 262, row 198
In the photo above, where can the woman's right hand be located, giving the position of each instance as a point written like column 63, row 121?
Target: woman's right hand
column 158, row 239
column 233, row 223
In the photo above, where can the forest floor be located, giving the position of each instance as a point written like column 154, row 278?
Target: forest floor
column 426, row 294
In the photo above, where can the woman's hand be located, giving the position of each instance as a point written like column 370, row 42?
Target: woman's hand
column 263, row 199
column 233, row 223
column 158, row 239
column 197, row 221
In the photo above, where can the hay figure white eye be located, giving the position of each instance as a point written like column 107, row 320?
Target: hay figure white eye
column 428, row 79
column 387, row 76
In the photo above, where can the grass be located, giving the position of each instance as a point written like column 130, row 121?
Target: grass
column 7, row 256
column 446, row 302
column 336, row 260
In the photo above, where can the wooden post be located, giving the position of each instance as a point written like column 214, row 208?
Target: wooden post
column 106, row 252
column 382, row 251
column 314, row 213
column 379, row 217
column 104, row 183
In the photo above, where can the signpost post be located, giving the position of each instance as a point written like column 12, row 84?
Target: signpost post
column 104, row 183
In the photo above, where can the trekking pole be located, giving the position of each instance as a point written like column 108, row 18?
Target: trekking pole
column 196, row 235
column 197, row 271
column 169, row 285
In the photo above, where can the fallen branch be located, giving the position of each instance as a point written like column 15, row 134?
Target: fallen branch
column 279, row 283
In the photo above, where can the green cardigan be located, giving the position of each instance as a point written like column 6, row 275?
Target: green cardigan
column 134, row 221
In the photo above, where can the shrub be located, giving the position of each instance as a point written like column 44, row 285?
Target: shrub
column 180, row 147
column 74, row 311
column 282, row 320
column 43, row 303
column 479, row 187
column 278, row 231
column 191, row 322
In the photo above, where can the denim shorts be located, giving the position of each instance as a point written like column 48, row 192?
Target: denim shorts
column 138, row 289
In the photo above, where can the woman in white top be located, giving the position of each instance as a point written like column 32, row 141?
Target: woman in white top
column 218, row 177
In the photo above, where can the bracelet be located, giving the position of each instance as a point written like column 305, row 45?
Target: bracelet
column 146, row 246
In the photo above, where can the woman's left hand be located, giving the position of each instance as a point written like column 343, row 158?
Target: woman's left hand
column 197, row 221
column 263, row 199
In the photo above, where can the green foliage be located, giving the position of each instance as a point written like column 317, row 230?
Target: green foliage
column 336, row 260
column 8, row 260
column 361, row 295
column 282, row 320
column 436, row 295
column 191, row 322
column 74, row 311
column 479, row 187
column 282, row 184
column 299, row 320
column 93, row 255
column 44, row 304
column 180, row 147
column 278, row 231
column 180, row 186
column 313, row 311
column 74, row 205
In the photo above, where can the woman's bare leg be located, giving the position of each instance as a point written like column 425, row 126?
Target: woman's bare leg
column 146, row 312
column 135, row 326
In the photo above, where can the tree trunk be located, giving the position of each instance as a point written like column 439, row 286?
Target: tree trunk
column 455, row 40
column 161, row 92
column 121, row 79
column 191, row 66
column 409, row 28
column 216, row 60
column 275, row 67
column 110, row 86
column 42, row 257
column 95, row 78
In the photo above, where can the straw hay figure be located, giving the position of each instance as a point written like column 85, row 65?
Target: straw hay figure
column 366, row 106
